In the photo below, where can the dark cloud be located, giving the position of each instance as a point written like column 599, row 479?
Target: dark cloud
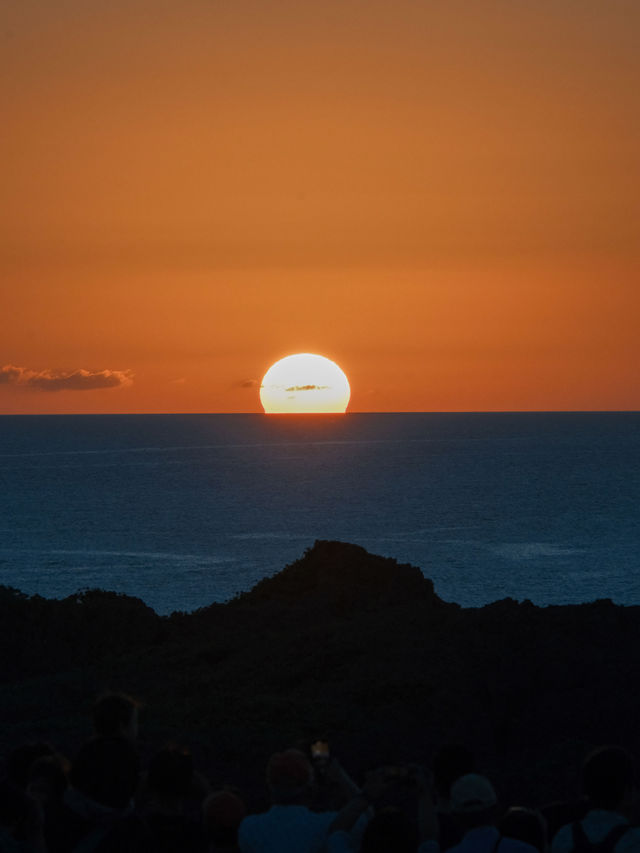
column 10, row 375
column 64, row 380
column 307, row 388
column 248, row 383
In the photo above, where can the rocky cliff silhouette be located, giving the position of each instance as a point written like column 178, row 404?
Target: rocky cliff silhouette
column 344, row 644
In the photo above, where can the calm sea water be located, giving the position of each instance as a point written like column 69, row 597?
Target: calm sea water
column 184, row 510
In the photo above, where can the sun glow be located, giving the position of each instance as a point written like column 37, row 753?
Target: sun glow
column 304, row 383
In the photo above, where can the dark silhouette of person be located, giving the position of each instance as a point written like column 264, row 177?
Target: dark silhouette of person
column 115, row 714
column 172, row 786
column 222, row 814
column 48, row 780
column 290, row 824
column 475, row 805
column 609, row 781
column 526, row 825
column 97, row 809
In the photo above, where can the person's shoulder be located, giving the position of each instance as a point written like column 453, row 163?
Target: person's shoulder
column 563, row 839
column 255, row 818
column 252, row 829
column 251, row 822
column 630, row 840
column 315, row 822
column 323, row 817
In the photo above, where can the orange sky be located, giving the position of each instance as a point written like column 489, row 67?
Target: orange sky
column 440, row 195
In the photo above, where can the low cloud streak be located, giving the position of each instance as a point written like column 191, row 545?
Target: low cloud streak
column 307, row 388
column 64, row 380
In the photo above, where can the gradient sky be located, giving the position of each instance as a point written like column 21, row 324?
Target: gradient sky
column 440, row 195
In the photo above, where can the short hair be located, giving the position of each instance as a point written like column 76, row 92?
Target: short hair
column 222, row 813
column 289, row 775
column 53, row 769
column 112, row 712
column 607, row 773
column 107, row 770
column 526, row 825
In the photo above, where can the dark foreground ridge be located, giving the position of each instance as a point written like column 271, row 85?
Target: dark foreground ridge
column 342, row 644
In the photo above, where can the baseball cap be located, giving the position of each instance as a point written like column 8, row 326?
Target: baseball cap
column 472, row 793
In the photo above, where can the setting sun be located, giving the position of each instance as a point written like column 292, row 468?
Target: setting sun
column 304, row 383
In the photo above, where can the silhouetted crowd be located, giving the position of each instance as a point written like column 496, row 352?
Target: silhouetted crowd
column 105, row 801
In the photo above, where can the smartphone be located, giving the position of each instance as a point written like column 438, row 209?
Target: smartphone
column 320, row 750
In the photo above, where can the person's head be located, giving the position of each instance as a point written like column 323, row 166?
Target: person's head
column 222, row 813
column 389, row 830
column 608, row 777
column 526, row 825
column 450, row 763
column 473, row 801
column 48, row 778
column 115, row 714
column 106, row 770
column 289, row 776
column 171, row 773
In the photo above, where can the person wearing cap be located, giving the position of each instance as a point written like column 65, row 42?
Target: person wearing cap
column 475, row 805
column 290, row 825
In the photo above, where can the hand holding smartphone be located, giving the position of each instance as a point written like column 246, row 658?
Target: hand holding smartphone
column 320, row 752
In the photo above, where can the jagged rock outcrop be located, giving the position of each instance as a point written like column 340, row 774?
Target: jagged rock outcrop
column 344, row 576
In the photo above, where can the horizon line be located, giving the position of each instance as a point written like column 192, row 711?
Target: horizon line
column 292, row 415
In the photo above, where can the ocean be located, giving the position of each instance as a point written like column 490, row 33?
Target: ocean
column 185, row 510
